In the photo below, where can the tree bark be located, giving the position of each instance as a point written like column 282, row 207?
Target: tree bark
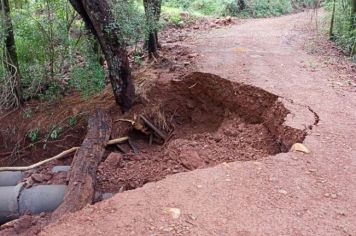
column 153, row 13
column 241, row 5
column 331, row 33
column 353, row 14
column 10, row 57
column 100, row 20
column 81, row 187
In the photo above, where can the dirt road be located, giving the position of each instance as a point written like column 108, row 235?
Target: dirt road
column 286, row 194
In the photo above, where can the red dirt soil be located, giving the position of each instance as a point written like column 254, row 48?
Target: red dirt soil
column 213, row 121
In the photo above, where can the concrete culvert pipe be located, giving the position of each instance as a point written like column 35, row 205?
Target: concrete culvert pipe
column 57, row 169
column 41, row 198
column 16, row 201
column 9, row 206
column 10, row 178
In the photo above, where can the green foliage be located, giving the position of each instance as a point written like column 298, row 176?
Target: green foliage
column 255, row 8
column 72, row 121
column 305, row 3
column 34, row 134
column 41, row 41
column 261, row 8
column 130, row 18
column 172, row 15
column 55, row 51
column 204, row 7
column 54, row 132
column 88, row 78
column 344, row 31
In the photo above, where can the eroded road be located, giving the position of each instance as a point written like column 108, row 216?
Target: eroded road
column 287, row 194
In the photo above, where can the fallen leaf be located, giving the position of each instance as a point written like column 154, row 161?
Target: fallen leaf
column 298, row 147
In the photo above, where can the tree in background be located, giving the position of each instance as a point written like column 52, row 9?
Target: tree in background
column 353, row 24
column 241, row 5
column 153, row 13
column 11, row 94
column 331, row 33
column 99, row 19
column 353, row 14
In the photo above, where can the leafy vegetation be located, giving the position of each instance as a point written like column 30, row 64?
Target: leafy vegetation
column 34, row 134
column 55, row 132
column 343, row 27
column 255, row 8
column 53, row 48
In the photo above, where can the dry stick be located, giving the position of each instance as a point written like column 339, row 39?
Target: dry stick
column 154, row 128
column 117, row 141
column 59, row 156
column 133, row 146
column 121, row 149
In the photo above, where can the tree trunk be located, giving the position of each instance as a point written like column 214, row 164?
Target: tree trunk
column 353, row 14
column 331, row 33
column 100, row 20
column 153, row 13
column 81, row 187
column 10, row 57
column 241, row 5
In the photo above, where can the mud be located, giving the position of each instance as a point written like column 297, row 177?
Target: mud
column 213, row 121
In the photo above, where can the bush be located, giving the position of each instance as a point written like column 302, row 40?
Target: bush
column 204, row 7
column 48, row 43
column 88, row 78
column 344, row 30
column 130, row 18
column 41, row 41
column 263, row 8
column 256, row 8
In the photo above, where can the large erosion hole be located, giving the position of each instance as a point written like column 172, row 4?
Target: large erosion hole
column 214, row 121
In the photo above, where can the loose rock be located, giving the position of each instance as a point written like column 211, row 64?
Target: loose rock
column 174, row 212
column 298, row 147
column 191, row 160
column 37, row 177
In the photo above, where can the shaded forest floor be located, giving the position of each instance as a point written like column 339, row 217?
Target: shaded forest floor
column 276, row 69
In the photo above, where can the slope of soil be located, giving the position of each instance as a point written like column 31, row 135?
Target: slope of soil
column 212, row 121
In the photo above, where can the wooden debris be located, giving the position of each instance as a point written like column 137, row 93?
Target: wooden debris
column 154, row 128
column 81, row 187
column 136, row 124
column 143, row 124
column 117, row 141
column 133, row 146
column 150, row 141
column 121, row 149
